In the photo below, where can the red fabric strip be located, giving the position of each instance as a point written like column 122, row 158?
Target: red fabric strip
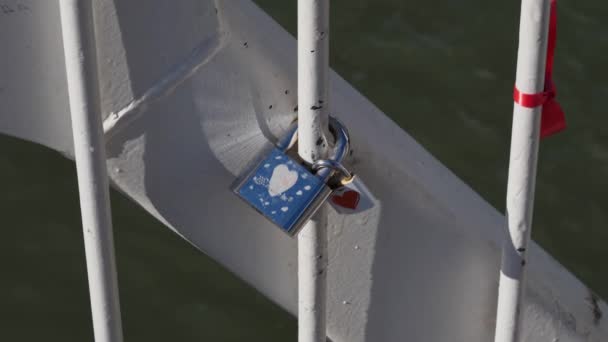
column 553, row 119
column 529, row 100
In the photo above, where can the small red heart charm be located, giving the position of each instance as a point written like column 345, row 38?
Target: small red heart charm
column 347, row 199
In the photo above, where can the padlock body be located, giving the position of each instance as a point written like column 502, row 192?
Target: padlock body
column 284, row 191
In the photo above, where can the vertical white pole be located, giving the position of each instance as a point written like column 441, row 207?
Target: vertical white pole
column 89, row 150
column 313, row 66
column 530, row 78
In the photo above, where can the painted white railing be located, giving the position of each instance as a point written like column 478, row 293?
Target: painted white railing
column 313, row 102
column 525, row 136
column 89, row 151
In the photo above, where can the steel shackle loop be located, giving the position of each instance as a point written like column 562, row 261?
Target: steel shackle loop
column 325, row 168
column 341, row 149
column 333, row 165
column 342, row 138
column 289, row 138
column 337, row 129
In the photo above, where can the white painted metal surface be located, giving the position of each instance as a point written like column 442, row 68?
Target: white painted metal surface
column 89, row 151
column 530, row 78
column 178, row 158
column 313, row 101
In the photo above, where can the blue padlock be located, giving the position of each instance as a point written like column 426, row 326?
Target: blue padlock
column 287, row 192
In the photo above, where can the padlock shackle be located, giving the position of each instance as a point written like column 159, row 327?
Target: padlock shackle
column 334, row 165
column 285, row 142
column 340, row 150
column 342, row 139
column 325, row 168
column 342, row 143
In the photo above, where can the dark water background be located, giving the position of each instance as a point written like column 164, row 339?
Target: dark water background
column 442, row 69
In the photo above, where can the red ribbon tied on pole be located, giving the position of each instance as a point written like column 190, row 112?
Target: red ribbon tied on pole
column 553, row 119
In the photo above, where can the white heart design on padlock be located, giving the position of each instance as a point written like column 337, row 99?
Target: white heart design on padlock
column 282, row 179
